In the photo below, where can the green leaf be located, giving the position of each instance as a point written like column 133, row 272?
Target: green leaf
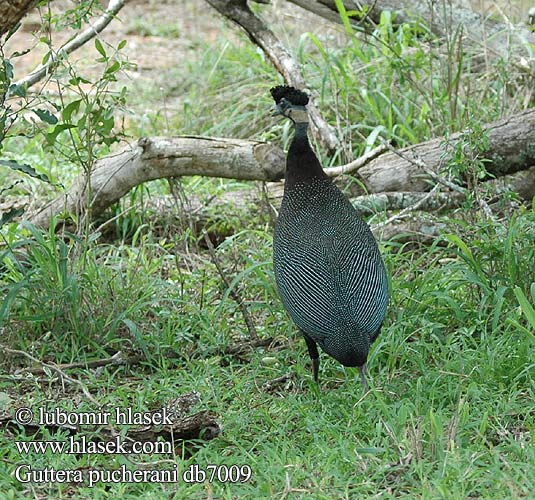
column 136, row 333
column 18, row 90
column 46, row 116
column 46, row 57
column 526, row 307
column 77, row 80
column 344, row 16
column 8, row 69
column 100, row 48
column 10, row 297
column 51, row 136
column 466, row 253
column 9, row 216
column 23, row 167
column 18, row 54
column 122, row 45
column 499, row 301
column 71, row 108
column 113, row 68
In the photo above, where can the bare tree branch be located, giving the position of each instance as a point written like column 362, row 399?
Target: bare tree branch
column 512, row 149
column 42, row 71
column 161, row 157
column 53, row 367
column 253, row 335
column 355, row 165
column 261, row 35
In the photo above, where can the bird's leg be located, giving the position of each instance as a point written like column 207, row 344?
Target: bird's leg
column 314, row 356
column 362, row 370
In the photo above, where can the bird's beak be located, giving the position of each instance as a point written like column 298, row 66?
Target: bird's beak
column 276, row 111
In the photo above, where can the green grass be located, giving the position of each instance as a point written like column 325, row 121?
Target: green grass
column 450, row 414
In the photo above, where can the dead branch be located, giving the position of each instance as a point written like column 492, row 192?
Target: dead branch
column 235, row 296
column 118, row 359
column 409, row 209
column 100, row 24
column 353, row 166
column 418, row 227
column 261, row 35
column 159, row 157
column 521, row 183
column 53, row 367
column 440, row 180
column 430, row 201
column 511, row 149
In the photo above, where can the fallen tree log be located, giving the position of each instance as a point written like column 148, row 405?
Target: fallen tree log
column 512, row 149
column 420, row 223
column 419, row 227
column 161, row 157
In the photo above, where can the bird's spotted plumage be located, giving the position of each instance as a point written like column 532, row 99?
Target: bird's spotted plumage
column 329, row 272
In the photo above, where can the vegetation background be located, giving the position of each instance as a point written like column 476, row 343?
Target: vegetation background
column 451, row 411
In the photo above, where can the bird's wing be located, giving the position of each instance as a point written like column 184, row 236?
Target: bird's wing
column 361, row 284
column 308, row 291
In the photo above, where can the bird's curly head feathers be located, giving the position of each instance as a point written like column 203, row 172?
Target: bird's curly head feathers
column 291, row 103
column 291, row 94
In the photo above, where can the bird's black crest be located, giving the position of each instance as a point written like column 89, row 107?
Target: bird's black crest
column 296, row 97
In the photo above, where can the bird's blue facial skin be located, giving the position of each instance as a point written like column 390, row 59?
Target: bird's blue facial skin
column 276, row 111
column 288, row 110
column 282, row 107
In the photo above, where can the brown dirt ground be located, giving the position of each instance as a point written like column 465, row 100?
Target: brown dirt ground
column 163, row 34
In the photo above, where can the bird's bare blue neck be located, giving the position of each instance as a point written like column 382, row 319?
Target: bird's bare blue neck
column 302, row 165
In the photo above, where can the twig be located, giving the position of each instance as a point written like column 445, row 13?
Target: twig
column 232, row 292
column 53, row 367
column 241, row 348
column 407, row 210
column 118, row 216
column 42, row 71
column 269, row 385
column 358, row 163
column 440, row 179
column 399, row 200
column 116, row 359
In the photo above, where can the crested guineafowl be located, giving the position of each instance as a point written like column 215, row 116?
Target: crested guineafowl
column 329, row 272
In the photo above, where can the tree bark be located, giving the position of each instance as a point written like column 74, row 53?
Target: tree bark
column 12, row 11
column 161, row 157
column 512, row 150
